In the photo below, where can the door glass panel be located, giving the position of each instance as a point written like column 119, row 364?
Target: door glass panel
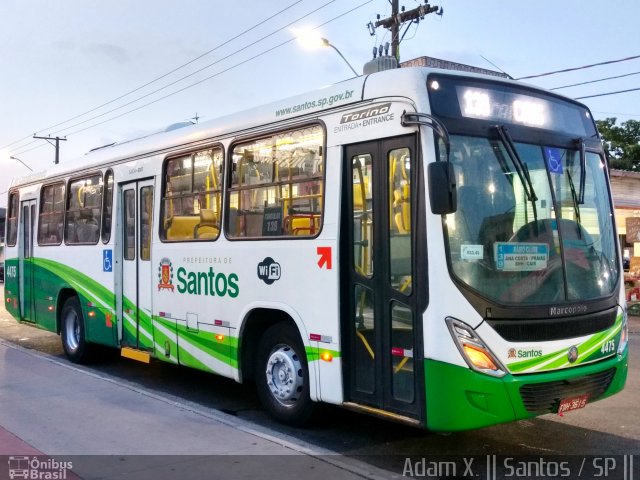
column 146, row 221
column 402, row 352
column 361, row 174
column 27, row 231
column 364, row 324
column 33, row 223
column 399, row 173
column 129, row 225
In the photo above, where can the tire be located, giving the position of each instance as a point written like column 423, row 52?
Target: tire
column 72, row 331
column 282, row 376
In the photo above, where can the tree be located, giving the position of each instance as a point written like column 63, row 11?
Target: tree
column 622, row 143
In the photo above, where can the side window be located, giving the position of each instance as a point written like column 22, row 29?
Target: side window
column 108, row 206
column 192, row 196
column 12, row 219
column 276, row 185
column 84, row 207
column 51, row 218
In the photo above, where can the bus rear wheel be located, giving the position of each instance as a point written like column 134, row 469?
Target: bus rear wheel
column 72, row 331
column 282, row 376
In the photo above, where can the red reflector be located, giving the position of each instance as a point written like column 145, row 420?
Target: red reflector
column 217, row 323
column 161, row 314
column 397, row 352
column 314, row 337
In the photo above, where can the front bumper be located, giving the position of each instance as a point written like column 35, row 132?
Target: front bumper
column 460, row 399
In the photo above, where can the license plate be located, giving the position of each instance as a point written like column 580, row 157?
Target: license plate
column 572, row 403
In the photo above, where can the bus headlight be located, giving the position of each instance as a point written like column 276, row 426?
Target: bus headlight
column 475, row 352
column 624, row 334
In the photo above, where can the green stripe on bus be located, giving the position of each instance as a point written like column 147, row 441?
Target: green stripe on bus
column 588, row 351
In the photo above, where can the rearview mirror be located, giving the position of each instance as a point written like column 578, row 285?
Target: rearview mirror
column 442, row 188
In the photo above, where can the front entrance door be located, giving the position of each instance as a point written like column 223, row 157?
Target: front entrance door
column 136, row 219
column 26, row 269
column 383, row 362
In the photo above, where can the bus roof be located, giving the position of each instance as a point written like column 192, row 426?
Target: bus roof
column 402, row 82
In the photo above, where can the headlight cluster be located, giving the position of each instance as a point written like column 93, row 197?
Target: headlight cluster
column 474, row 350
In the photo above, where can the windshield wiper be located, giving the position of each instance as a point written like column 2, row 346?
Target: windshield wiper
column 519, row 166
column 576, row 201
column 583, row 169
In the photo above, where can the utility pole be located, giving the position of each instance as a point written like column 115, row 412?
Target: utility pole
column 56, row 146
column 398, row 18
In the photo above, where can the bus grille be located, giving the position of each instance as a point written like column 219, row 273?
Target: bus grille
column 545, row 397
column 554, row 329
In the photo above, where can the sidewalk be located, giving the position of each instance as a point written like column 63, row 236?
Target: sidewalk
column 49, row 406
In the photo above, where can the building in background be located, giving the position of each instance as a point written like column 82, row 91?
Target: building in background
column 3, row 214
column 625, row 189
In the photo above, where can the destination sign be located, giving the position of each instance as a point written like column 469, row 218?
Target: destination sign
column 521, row 257
column 507, row 103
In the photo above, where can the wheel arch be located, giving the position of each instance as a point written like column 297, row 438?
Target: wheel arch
column 255, row 321
column 63, row 295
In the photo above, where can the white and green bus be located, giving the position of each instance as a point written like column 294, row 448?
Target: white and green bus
column 432, row 247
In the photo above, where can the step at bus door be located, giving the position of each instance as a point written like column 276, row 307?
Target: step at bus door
column 26, row 267
column 383, row 357
column 136, row 285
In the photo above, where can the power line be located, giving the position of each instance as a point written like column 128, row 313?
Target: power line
column 197, row 71
column 216, row 74
column 608, row 93
column 172, row 83
column 160, row 77
column 580, row 68
column 264, row 52
column 617, row 113
column 595, row 81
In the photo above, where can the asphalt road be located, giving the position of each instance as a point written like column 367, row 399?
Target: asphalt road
column 608, row 427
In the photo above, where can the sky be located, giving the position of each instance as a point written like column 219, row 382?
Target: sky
column 62, row 58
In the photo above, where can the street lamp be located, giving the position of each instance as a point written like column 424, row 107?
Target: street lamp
column 310, row 39
column 16, row 158
column 327, row 43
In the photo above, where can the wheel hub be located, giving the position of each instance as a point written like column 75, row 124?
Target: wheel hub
column 72, row 326
column 284, row 376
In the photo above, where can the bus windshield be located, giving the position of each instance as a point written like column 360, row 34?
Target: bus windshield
column 533, row 223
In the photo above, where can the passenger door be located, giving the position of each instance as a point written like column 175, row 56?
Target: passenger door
column 135, row 296
column 26, row 264
column 383, row 360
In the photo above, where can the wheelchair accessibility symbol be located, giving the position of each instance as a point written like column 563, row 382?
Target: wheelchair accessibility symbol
column 107, row 260
column 554, row 159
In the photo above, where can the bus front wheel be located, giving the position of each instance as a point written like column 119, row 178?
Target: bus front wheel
column 282, row 376
column 72, row 331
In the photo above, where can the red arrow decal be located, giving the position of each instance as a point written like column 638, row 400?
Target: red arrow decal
column 325, row 257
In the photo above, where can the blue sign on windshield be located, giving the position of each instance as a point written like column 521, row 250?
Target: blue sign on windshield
column 521, row 257
column 553, row 157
